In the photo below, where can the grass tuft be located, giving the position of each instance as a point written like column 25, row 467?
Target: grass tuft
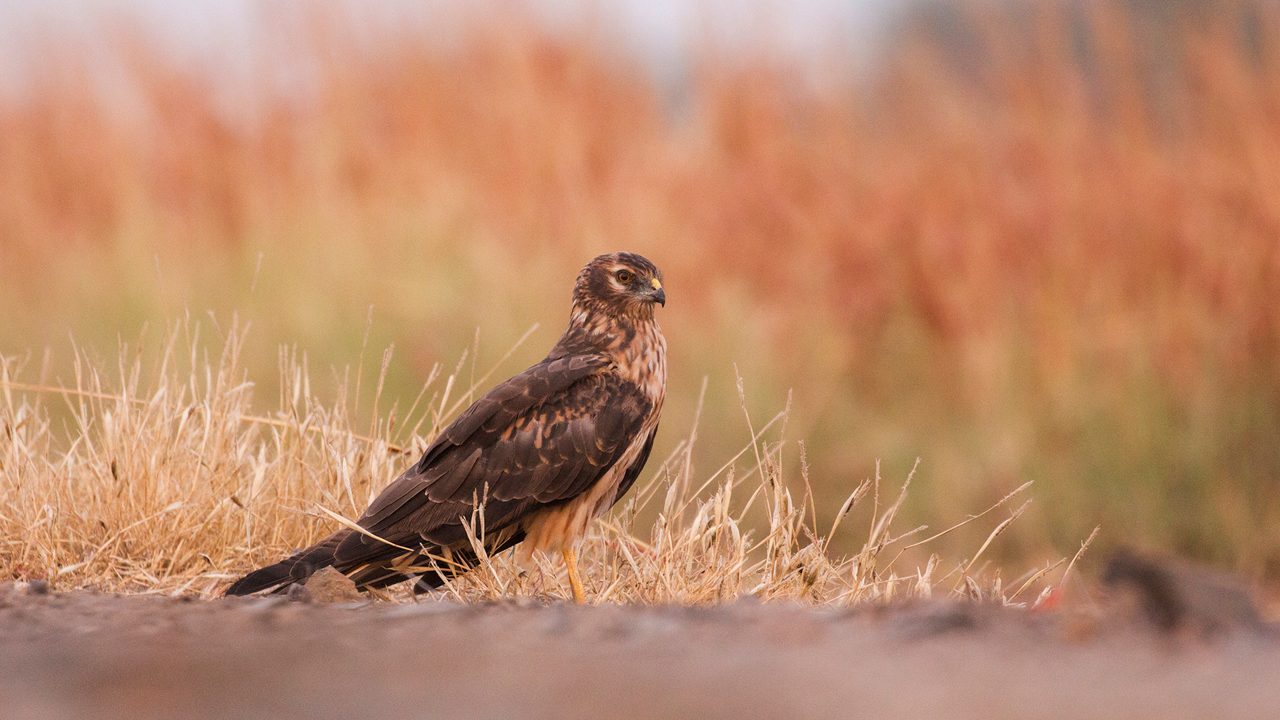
column 164, row 478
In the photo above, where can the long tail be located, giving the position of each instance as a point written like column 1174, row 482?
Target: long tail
column 293, row 569
column 368, row 566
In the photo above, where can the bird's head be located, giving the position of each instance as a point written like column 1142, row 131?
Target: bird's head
column 620, row 284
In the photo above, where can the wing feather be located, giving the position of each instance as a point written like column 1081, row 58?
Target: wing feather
column 633, row 472
column 542, row 437
column 551, row 375
column 452, row 479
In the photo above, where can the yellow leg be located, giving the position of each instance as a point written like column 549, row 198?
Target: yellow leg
column 571, row 562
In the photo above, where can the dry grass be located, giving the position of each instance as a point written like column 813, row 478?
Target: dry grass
column 1040, row 245
column 166, row 479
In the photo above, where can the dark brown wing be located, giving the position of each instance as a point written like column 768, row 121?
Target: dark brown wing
column 637, row 465
column 542, row 437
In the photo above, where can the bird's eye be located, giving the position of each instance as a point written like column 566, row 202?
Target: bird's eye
column 625, row 277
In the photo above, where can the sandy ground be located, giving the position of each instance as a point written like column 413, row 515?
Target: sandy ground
column 83, row 655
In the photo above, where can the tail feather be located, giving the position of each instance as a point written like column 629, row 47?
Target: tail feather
column 293, row 569
column 375, row 566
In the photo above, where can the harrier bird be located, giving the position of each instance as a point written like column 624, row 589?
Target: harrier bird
column 534, row 461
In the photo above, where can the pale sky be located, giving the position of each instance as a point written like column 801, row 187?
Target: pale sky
column 226, row 34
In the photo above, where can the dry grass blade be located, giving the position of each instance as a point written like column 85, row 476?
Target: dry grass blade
column 971, row 518
column 995, row 533
column 351, row 525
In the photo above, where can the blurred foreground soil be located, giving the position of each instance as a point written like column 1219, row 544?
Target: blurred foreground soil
column 87, row 655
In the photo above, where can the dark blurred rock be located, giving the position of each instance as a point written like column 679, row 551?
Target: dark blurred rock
column 1174, row 595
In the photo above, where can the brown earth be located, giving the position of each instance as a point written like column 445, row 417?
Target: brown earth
column 87, row 655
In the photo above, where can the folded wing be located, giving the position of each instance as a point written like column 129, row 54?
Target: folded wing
column 541, row 438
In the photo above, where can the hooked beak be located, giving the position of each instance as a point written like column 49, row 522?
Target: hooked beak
column 658, row 295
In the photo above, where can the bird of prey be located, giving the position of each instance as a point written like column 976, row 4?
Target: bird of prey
column 534, row 461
